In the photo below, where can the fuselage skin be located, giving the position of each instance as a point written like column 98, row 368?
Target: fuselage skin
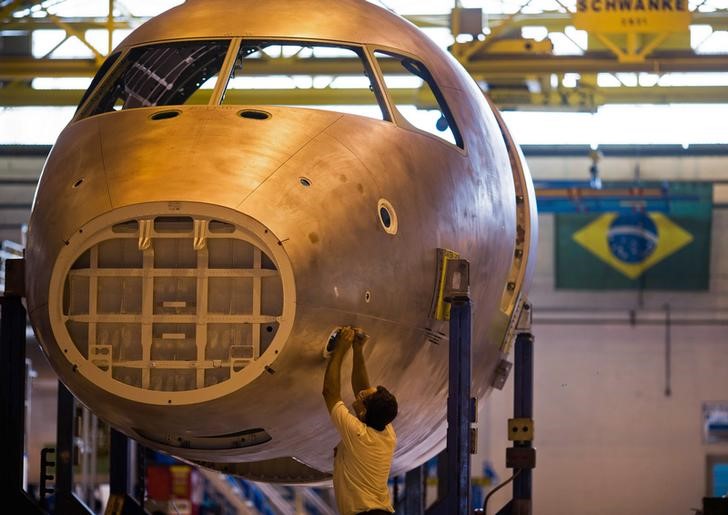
column 346, row 268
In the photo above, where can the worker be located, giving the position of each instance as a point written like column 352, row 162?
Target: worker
column 363, row 458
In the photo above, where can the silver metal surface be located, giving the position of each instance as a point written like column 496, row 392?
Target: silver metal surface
column 345, row 268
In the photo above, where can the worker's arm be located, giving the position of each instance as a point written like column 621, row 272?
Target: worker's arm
column 332, row 377
column 359, row 376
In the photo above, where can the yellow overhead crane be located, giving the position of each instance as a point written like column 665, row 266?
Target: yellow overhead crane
column 624, row 36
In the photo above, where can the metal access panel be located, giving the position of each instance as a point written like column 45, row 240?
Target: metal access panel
column 171, row 303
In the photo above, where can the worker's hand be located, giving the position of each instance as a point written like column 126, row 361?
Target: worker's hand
column 344, row 340
column 360, row 336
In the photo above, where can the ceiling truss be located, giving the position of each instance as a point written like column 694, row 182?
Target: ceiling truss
column 517, row 73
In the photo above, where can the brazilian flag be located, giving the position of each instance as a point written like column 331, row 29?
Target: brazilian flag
column 636, row 249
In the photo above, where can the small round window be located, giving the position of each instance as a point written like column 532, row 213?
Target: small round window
column 387, row 216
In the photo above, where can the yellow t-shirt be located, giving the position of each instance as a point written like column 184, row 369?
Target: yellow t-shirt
column 361, row 464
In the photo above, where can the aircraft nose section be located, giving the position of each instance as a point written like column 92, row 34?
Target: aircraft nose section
column 172, row 303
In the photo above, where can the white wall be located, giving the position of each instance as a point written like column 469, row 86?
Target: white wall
column 685, row 168
column 608, row 438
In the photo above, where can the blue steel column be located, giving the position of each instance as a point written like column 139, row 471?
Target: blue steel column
column 66, row 500
column 118, row 463
column 460, row 407
column 121, row 501
column 12, row 401
column 414, row 491
column 523, row 408
column 459, row 416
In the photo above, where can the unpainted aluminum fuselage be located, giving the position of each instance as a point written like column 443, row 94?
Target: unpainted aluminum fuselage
column 476, row 200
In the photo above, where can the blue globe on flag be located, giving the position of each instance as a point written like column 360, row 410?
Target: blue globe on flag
column 632, row 237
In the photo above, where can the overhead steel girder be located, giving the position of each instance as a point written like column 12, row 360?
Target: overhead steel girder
column 26, row 69
column 18, row 68
column 17, row 96
column 576, row 99
column 595, row 62
column 588, row 99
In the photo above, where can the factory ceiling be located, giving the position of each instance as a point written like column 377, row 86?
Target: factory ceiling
column 640, row 53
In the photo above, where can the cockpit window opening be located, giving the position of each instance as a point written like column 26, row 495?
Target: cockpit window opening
column 179, row 73
column 304, row 74
column 427, row 111
column 264, row 72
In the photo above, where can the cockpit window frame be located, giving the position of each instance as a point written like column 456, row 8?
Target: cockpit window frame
column 94, row 90
column 366, row 53
column 103, row 72
column 92, row 97
column 437, row 91
column 359, row 49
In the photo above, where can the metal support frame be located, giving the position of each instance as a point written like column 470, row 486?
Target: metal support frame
column 442, row 479
column 462, row 409
column 139, row 488
column 66, row 501
column 460, row 405
column 521, row 457
column 47, row 455
column 414, row 491
column 120, row 473
column 12, row 426
column 12, row 392
column 119, row 464
column 523, row 409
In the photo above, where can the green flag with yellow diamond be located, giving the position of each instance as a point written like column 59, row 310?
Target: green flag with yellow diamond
column 634, row 249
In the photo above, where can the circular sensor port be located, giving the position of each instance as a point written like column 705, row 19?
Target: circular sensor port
column 387, row 216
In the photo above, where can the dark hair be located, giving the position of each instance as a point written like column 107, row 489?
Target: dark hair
column 381, row 408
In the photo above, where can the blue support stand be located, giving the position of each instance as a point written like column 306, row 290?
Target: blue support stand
column 66, row 501
column 523, row 408
column 522, row 456
column 460, row 406
column 454, row 464
column 120, row 500
column 12, row 395
column 414, row 489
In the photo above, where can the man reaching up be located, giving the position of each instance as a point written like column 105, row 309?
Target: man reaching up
column 364, row 456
